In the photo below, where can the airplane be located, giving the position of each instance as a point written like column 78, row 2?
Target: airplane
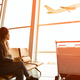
column 62, row 9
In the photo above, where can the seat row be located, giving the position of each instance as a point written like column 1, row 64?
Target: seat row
column 24, row 55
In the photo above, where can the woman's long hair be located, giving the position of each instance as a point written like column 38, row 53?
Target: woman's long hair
column 3, row 32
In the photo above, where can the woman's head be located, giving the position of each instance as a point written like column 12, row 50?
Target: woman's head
column 4, row 33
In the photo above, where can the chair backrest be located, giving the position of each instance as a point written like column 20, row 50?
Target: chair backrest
column 14, row 52
column 25, row 55
column 68, row 50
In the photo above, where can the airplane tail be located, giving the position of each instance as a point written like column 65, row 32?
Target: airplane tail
column 48, row 8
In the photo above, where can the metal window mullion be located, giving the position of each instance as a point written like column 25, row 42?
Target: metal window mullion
column 32, row 28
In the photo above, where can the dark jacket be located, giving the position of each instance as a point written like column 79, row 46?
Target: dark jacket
column 3, row 60
column 7, row 65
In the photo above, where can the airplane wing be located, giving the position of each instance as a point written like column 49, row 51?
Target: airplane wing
column 68, row 8
column 48, row 8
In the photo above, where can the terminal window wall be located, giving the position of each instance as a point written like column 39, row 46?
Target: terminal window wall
column 18, row 20
column 57, row 26
column 51, row 26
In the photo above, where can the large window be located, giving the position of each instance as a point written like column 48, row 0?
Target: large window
column 58, row 26
column 18, row 20
column 63, row 32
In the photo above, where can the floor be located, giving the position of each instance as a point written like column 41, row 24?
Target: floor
column 48, row 69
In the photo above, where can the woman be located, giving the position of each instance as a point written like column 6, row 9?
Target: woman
column 8, row 65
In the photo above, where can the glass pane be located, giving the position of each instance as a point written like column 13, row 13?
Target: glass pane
column 64, row 32
column 18, row 13
column 19, row 37
column 0, row 1
column 60, row 14
column 47, row 57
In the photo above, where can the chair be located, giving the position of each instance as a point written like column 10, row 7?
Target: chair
column 26, row 58
column 15, row 53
